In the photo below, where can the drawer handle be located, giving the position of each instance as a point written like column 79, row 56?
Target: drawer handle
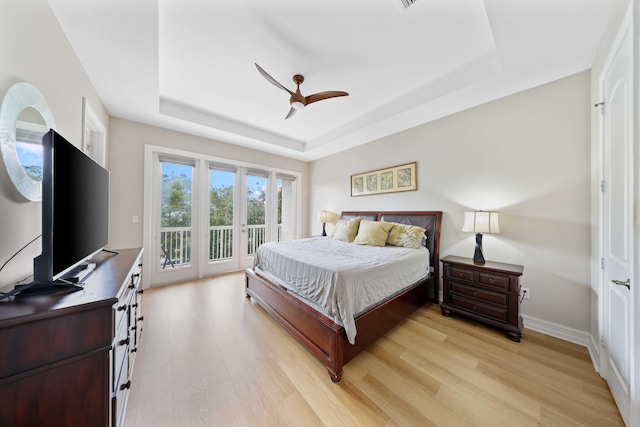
column 125, row 385
column 124, row 341
column 140, row 265
column 475, row 293
column 131, row 286
column 141, row 291
column 491, row 281
column 141, row 318
column 122, row 308
column 475, row 308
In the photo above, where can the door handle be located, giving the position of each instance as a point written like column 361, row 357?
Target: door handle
column 626, row 283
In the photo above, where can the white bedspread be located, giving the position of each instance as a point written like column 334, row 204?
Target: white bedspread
column 339, row 279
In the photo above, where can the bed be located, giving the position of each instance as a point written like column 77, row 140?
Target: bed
column 324, row 335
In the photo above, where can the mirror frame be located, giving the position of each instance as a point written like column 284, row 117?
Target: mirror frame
column 20, row 96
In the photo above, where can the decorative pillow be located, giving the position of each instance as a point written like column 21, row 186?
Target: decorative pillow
column 408, row 236
column 346, row 229
column 373, row 233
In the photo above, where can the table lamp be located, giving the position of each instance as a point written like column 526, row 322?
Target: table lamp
column 480, row 222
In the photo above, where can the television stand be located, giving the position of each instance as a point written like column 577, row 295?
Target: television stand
column 70, row 282
column 45, row 288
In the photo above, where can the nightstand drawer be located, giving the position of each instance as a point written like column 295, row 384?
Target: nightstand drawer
column 494, row 312
column 480, row 294
column 461, row 273
column 495, row 280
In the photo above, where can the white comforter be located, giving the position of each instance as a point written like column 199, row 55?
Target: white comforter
column 339, row 279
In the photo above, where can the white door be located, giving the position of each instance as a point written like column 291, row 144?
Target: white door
column 617, row 226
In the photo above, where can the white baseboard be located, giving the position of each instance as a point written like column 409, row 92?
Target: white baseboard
column 565, row 333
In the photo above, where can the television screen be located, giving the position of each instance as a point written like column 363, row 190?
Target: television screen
column 75, row 208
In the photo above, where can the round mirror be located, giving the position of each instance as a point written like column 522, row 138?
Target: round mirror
column 24, row 118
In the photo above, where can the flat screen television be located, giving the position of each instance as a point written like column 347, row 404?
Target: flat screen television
column 75, row 213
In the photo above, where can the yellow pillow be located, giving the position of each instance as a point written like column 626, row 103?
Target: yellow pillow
column 408, row 236
column 346, row 229
column 373, row 233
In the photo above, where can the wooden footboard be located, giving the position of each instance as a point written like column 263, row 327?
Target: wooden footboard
column 323, row 337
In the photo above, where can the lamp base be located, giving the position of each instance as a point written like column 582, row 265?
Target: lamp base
column 324, row 232
column 478, row 258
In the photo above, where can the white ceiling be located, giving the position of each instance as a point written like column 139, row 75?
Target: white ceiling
column 188, row 65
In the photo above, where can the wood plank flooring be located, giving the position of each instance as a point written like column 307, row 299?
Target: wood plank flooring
column 211, row 357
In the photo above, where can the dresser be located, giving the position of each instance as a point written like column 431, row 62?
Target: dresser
column 488, row 293
column 66, row 358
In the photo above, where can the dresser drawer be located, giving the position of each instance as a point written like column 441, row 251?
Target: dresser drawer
column 119, row 353
column 479, row 294
column 495, row 280
column 460, row 273
column 493, row 311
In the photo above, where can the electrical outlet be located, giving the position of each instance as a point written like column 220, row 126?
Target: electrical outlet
column 525, row 292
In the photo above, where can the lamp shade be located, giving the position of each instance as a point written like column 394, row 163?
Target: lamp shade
column 481, row 222
column 325, row 216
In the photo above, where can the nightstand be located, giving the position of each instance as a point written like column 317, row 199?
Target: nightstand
column 488, row 293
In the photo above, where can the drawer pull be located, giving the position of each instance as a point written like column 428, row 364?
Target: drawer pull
column 125, row 385
column 124, row 341
column 492, row 281
column 141, row 291
column 475, row 308
column 141, row 318
column 131, row 286
column 475, row 293
column 122, row 308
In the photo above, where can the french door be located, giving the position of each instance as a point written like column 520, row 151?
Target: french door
column 209, row 216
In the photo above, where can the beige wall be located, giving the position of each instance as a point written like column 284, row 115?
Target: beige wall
column 126, row 161
column 34, row 49
column 527, row 156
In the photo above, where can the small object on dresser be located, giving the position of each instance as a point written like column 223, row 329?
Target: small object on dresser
column 488, row 293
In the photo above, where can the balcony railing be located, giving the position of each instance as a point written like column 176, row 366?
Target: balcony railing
column 176, row 242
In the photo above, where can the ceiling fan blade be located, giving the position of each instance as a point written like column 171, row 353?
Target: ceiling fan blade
column 271, row 79
column 324, row 95
column 292, row 113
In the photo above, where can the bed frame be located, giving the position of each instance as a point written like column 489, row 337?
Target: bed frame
column 326, row 339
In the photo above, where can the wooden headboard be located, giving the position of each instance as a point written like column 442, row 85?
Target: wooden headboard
column 429, row 220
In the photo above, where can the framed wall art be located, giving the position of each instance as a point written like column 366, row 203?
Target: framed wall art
column 389, row 180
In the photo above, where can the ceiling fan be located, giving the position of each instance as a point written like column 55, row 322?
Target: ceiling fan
column 298, row 100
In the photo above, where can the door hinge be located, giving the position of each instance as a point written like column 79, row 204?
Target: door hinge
column 601, row 105
column 603, row 185
column 602, row 263
column 602, row 342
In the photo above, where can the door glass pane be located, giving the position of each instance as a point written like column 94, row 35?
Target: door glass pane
column 220, row 215
column 256, row 212
column 286, row 209
column 175, row 215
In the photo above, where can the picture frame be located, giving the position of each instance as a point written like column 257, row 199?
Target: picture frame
column 389, row 180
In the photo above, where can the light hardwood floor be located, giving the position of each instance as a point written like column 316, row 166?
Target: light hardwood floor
column 211, row 357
